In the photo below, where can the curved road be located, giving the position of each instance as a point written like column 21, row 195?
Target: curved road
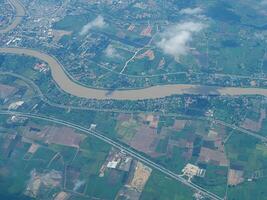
column 20, row 13
column 117, row 145
column 70, row 86
column 73, row 88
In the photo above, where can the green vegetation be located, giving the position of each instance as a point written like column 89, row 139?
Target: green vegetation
column 127, row 129
column 249, row 190
column 215, row 179
column 161, row 187
column 176, row 162
column 247, row 152
column 134, row 46
column 162, row 145
column 105, row 187
column 72, row 23
column 250, row 155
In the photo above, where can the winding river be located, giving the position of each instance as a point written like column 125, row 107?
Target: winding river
column 20, row 13
column 73, row 88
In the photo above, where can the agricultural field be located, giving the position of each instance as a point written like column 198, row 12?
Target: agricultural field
column 133, row 100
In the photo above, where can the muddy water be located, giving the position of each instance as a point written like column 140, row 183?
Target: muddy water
column 70, row 86
column 20, row 12
column 73, row 88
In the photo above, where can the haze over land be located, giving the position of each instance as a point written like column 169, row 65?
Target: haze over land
column 137, row 100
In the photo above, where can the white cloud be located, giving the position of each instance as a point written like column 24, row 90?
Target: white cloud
column 111, row 52
column 98, row 22
column 191, row 11
column 175, row 39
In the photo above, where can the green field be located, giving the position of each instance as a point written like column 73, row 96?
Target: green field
column 160, row 187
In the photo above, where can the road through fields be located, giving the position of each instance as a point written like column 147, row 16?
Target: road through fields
column 67, row 84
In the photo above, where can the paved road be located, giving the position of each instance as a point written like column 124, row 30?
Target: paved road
column 20, row 13
column 117, row 145
column 47, row 101
column 67, row 84
column 242, row 130
column 64, row 80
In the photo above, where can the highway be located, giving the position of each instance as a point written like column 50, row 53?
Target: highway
column 255, row 135
column 67, row 84
column 48, row 102
column 119, row 146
